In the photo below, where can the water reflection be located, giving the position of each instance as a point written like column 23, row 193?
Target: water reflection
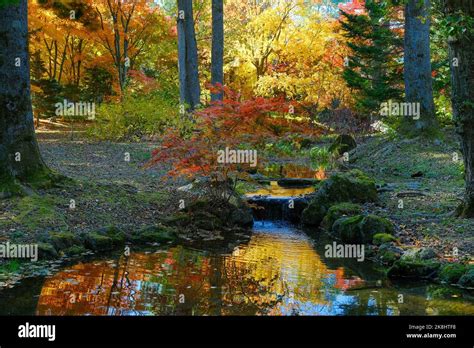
column 277, row 273
column 276, row 191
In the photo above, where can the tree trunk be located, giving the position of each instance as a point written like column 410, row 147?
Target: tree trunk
column 461, row 56
column 183, row 88
column 417, row 68
column 20, row 159
column 187, row 49
column 217, row 65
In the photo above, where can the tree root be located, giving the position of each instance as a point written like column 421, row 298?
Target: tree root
column 44, row 179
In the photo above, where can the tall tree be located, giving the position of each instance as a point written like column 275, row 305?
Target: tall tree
column 217, row 64
column 460, row 19
column 372, row 68
column 417, row 67
column 190, row 89
column 20, row 159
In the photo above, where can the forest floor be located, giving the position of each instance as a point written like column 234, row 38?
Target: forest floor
column 421, row 186
column 109, row 190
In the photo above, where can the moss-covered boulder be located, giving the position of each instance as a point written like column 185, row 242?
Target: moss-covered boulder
column 314, row 213
column 338, row 211
column 452, row 272
column 343, row 143
column 209, row 215
column 388, row 254
column 387, row 257
column 179, row 219
column 46, row 251
column 104, row 239
column 414, row 269
column 75, row 250
column 353, row 186
column 414, row 254
column 361, row 229
column 382, row 238
column 467, row 280
column 154, row 234
column 63, row 240
column 117, row 235
column 242, row 216
column 98, row 242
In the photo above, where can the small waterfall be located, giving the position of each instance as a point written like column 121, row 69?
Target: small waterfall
column 277, row 203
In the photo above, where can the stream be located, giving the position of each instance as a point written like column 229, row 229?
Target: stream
column 281, row 271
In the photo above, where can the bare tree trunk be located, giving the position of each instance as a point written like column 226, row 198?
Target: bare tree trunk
column 183, row 90
column 417, row 68
column 20, row 159
column 217, row 64
column 188, row 58
column 461, row 56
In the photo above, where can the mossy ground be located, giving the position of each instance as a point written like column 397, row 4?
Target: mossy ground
column 103, row 187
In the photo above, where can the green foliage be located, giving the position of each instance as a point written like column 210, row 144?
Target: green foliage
column 374, row 68
column 138, row 116
column 320, row 155
column 4, row 3
column 97, row 84
column 444, row 111
column 10, row 266
column 452, row 272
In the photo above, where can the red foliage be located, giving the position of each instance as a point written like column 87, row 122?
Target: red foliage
column 231, row 123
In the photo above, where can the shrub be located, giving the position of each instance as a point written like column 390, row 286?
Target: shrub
column 137, row 116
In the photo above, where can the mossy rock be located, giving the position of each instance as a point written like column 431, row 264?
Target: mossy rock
column 314, row 213
column 415, row 254
column 452, row 272
column 99, row 242
column 242, row 217
column 46, row 251
column 207, row 215
column 361, row 229
column 414, row 269
column 343, row 143
column 353, row 186
column 387, row 257
column 388, row 254
column 338, row 211
column 113, row 232
column 63, row 240
column 382, row 238
column 75, row 250
column 154, row 234
column 467, row 280
column 443, row 293
column 179, row 219
column 207, row 221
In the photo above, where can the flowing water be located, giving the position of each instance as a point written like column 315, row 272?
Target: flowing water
column 281, row 271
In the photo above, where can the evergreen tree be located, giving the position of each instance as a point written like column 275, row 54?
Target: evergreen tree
column 97, row 84
column 374, row 66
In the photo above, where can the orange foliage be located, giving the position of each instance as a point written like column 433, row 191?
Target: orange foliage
column 233, row 124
